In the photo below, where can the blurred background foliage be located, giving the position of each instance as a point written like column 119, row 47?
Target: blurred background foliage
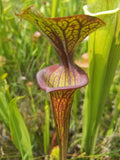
column 23, row 52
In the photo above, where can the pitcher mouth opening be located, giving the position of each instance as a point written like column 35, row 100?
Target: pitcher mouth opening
column 42, row 76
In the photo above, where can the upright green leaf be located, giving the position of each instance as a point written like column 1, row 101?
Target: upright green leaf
column 104, row 54
column 19, row 131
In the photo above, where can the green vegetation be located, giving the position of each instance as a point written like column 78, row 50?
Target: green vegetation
column 26, row 122
column 104, row 55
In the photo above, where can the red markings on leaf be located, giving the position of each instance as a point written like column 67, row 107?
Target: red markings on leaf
column 57, row 77
column 61, row 103
column 64, row 33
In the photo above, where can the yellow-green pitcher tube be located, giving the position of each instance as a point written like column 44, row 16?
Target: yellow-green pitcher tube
column 61, row 102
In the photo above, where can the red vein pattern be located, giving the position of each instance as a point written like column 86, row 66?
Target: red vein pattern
column 64, row 33
column 62, row 102
column 56, row 77
column 56, row 81
column 61, row 81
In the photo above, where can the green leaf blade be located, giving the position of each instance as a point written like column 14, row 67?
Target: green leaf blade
column 104, row 56
column 19, row 131
column 4, row 110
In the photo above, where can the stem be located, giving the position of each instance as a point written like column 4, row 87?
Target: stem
column 55, row 4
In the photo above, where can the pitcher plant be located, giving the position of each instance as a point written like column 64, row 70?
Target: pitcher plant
column 62, row 80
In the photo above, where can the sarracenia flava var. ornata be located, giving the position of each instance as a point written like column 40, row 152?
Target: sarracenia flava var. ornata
column 62, row 80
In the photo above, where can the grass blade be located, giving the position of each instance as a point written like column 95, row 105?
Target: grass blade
column 19, row 131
